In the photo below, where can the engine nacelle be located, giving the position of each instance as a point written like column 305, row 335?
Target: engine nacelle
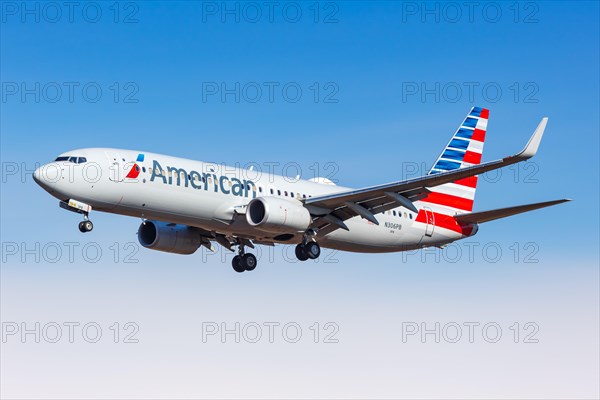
column 168, row 237
column 276, row 215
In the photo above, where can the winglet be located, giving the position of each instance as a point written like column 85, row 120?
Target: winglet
column 534, row 142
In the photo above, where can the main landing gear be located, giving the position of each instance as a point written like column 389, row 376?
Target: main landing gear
column 243, row 261
column 85, row 225
column 306, row 250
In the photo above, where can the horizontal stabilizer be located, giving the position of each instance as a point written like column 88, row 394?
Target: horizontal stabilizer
column 485, row 216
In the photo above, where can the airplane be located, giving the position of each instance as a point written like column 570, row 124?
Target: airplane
column 185, row 204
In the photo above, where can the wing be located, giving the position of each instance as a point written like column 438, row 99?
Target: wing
column 330, row 211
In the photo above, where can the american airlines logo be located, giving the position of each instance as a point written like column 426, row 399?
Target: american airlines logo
column 203, row 180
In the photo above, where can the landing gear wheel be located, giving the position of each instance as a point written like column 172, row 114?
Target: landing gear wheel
column 301, row 253
column 312, row 250
column 86, row 226
column 236, row 263
column 248, row 261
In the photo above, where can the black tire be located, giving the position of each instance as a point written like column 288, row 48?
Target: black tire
column 312, row 250
column 88, row 226
column 236, row 263
column 249, row 261
column 301, row 253
column 82, row 227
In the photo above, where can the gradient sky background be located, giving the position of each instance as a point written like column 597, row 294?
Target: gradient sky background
column 374, row 133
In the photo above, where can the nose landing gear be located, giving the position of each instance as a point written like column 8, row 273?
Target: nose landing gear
column 80, row 208
column 86, row 225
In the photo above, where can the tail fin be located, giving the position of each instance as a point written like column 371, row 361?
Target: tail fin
column 464, row 149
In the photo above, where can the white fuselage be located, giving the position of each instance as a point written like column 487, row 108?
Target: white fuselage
column 213, row 197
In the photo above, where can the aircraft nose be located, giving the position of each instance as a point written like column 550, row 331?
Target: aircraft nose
column 46, row 177
column 37, row 175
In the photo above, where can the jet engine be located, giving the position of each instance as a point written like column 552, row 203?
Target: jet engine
column 168, row 237
column 276, row 215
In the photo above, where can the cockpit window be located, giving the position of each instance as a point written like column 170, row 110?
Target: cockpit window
column 76, row 160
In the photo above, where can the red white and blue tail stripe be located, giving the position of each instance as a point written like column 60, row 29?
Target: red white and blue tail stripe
column 464, row 149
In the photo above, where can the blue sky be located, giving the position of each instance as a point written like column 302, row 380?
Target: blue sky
column 543, row 68
column 359, row 118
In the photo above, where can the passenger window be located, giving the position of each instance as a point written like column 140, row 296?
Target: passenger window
column 410, row 215
column 260, row 189
column 304, row 196
column 285, row 192
column 394, row 213
column 272, row 191
column 292, row 194
column 278, row 192
column 144, row 169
